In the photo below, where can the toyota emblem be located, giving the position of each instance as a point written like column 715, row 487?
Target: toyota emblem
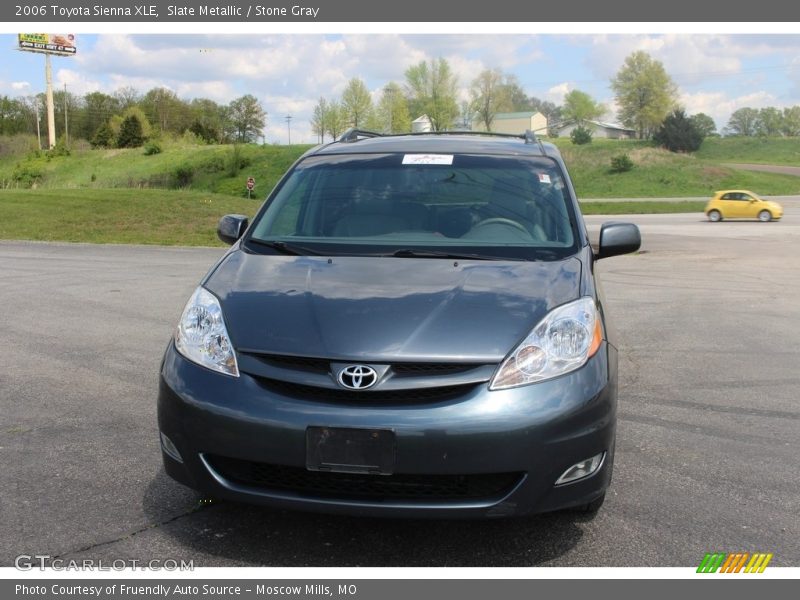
column 357, row 377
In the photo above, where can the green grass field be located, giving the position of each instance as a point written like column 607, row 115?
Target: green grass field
column 117, row 216
column 120, row 216
column 758, row 150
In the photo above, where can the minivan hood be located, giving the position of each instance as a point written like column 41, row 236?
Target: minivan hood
column 376, row 309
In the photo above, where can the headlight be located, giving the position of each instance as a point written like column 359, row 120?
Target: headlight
column 202, row 337
column 561, row 342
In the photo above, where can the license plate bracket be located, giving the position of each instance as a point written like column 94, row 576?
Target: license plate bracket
column 350, row 450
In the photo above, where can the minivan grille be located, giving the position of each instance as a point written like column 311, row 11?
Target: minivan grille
column 363, row 486
column 367, row 397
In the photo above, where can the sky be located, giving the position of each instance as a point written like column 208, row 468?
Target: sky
column 716, row 74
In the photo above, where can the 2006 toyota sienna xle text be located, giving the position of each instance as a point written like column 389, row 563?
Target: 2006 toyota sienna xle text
column 410, row 326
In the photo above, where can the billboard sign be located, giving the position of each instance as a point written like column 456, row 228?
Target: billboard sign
column 61, row 44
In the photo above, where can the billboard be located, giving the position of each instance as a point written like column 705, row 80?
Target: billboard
column 62, row 44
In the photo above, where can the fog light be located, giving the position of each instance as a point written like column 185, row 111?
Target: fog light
column 168, row 447
column 581, row 469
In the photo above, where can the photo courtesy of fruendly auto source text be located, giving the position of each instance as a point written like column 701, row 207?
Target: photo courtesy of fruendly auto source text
column 369, row 301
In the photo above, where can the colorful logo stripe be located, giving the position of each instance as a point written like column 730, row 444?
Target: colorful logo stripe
column 735, row 562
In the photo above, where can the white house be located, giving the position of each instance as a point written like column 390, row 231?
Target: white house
column 600, row 129
column 421, row 124
column 515, row 123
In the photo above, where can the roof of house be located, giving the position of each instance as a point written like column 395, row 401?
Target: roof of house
column 422, row 119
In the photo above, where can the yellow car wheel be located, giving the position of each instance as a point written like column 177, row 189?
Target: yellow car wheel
column 714, row 216
column 764, row 216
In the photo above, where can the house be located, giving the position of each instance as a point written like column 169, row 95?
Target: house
column 421, row 124
column 515, row 123
column 599, row 129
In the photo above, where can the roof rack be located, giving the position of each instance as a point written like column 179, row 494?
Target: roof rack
column 532, row 138
column 353, row 135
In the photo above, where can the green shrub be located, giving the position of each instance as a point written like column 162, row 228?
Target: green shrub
column 27, row 175
column 152, row 147
column 621, row 163
column 581, row 135
column 182, row 175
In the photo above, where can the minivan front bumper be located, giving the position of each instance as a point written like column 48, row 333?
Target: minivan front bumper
column 519, row 440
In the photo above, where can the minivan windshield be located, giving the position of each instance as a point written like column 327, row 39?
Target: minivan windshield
column 421, row 205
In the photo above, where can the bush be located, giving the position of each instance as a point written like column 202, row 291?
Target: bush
column 678, row 133
column 621, row 163
column 182, row 175
column 581, row 135
column 237, row 160
column 27, row 175
column 152, row 147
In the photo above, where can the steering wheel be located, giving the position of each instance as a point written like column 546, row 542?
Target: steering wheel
column 502, row 221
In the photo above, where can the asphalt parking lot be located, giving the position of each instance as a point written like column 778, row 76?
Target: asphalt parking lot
column 709, row 432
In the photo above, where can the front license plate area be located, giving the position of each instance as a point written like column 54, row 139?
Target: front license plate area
column 349, row 450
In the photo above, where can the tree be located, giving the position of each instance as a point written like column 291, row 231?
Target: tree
column 392, row 111
column 12, row 116
column 489, row 96
column 98, row 108
column 168, row 112
column 791, row 121
column 207, row 120
column 336, row 120
column 644, row 92
column 704, row 124
column 515, row 98
column 356, row 103
column 127, row 96
column 743, row 121
column 432, row 91
column 318, row 119
column 246, row 119
column 103, row 137
column 770, row 121
column 678, row 133
column 130, row 133
column 580, row 107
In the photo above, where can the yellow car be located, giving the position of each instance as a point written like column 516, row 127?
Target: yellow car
column 741, row 204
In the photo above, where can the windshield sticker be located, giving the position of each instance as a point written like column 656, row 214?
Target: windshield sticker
column 544, row 178
column 428, row 159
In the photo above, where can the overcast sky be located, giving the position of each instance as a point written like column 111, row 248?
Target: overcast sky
column 716, row 74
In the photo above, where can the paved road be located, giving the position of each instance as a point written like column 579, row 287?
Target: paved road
column 708, row 435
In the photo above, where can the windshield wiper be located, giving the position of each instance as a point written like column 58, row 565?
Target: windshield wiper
column 285, row 248
column 409, row 253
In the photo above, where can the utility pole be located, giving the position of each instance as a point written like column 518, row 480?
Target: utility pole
column 51, row 111
column 289, row 127
column 66, row 124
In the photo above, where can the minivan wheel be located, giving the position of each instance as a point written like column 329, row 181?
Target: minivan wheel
column 714, row 216
column 764, row 216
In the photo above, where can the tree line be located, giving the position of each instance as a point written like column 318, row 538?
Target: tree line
column 645, row 94
column 102, row 118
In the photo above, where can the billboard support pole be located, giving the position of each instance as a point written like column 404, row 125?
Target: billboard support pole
column 51, row 112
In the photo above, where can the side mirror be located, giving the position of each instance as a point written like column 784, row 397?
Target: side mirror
column 231, row 228
column 618, row 238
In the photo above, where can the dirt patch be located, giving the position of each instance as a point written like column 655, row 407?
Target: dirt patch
column 714, row 172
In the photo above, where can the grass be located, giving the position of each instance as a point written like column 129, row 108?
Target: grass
column 121, row 216
column 117, row 216
column 757, row 150
column 641, row 208
column 217, row 169
column 660, row 174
